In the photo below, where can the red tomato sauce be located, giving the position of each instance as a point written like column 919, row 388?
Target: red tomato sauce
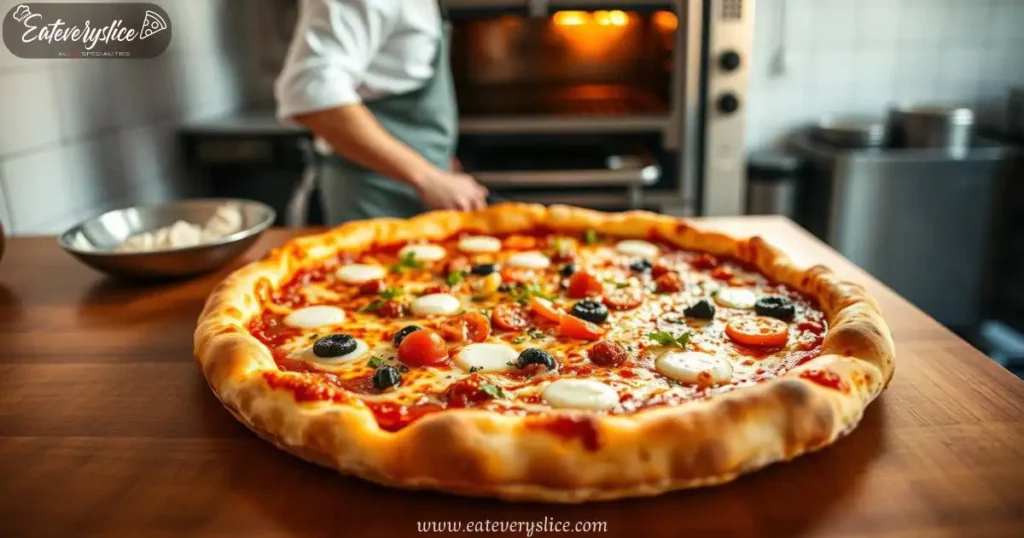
column 305, row 389
column 271, row 330
column 393, row 417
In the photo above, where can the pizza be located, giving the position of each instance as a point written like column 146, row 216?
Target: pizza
column 541, row 353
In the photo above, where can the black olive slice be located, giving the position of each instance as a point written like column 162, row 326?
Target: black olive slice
column 334, row 345
column 590, row 310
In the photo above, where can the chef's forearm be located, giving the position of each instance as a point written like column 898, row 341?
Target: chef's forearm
column 356, row 135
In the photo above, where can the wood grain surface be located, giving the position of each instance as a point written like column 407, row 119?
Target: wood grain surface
column 107, row 428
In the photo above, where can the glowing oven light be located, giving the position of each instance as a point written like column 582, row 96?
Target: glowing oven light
column 666, row 20
column 611, row 18
column 571, row 18
column 583, row 18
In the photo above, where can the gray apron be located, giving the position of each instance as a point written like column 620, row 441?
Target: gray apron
column 425, row 120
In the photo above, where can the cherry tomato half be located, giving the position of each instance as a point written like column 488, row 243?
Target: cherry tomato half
column 423, row 348
column 758, row 331
column 584, row 284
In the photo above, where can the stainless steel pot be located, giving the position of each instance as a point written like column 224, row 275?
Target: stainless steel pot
column 947, row 127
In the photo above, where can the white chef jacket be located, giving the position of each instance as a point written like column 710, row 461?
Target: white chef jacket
column 348, row 51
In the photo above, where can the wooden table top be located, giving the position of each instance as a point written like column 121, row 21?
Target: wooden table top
column 107, row 428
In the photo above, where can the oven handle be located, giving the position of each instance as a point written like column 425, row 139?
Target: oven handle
column 620, row 171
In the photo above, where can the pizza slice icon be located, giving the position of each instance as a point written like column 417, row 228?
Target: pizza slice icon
column 152, row 24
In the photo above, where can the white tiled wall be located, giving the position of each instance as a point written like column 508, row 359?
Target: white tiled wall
column 78, row 137
column 858, row 56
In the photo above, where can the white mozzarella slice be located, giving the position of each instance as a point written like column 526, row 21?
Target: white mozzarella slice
column 694, row 367
column 435, row 304
column 312, row 317
column 424, row 253
column 486, row 357
column 479, row 243
column 638, row 248
column 529, row 259
column 357, row 273
column 361, row 350
column 580, row 394
column 736, row 298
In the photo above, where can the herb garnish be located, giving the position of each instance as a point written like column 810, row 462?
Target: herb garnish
column 519, row 340
column 522, row 293
column 590, row 236
column 535, row 333
column 666, row 338
column 385, row 295
column 492, row 390
column 406, row 261
column 475, row 369
column 375, row 362
column 454, row 277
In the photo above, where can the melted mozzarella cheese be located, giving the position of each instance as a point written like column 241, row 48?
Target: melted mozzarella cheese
column 425, row 253
column 312, row 317
column 435, row 304
column 694, row 367
column 638, row 248
column 530, row 260
column 736, row 298
column 357, row 273
column 478, row 244
column 580, row 394
column 486, row 357
column 359, row 352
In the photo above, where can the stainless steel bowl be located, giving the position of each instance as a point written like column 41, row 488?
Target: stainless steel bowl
column 93, row 241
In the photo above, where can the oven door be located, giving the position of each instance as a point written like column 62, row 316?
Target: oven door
column 567, row 66
column 573, row 102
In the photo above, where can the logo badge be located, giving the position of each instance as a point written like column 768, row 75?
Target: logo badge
column 88, row 30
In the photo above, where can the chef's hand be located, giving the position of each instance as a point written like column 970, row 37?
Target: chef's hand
column 447, row 190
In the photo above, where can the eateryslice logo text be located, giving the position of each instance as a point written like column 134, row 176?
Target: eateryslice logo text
column 38, row 30
column 87, row 30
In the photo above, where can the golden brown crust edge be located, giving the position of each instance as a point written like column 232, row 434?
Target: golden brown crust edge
column 479, row 453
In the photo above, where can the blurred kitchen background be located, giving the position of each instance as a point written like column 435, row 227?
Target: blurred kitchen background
column 822, row 110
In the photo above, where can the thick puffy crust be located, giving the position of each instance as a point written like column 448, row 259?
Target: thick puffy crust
column 477, row 452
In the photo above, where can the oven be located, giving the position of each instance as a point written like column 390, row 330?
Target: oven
column 610, row 104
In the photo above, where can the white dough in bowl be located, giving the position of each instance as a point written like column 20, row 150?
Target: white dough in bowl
column 226, row 220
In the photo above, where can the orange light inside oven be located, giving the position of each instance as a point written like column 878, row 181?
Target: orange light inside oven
column 665, row 20
column 611, row 18
column 584, row 18
column 571, row 18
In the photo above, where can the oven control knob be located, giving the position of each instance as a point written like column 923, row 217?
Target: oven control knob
column 728, row 103
column 729, row 60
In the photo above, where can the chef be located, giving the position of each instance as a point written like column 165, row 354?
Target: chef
column 370, row 78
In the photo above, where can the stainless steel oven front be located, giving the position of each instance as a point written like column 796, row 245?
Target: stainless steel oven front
column 611, row 104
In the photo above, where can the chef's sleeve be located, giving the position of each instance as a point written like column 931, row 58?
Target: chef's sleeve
column 333, row 44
